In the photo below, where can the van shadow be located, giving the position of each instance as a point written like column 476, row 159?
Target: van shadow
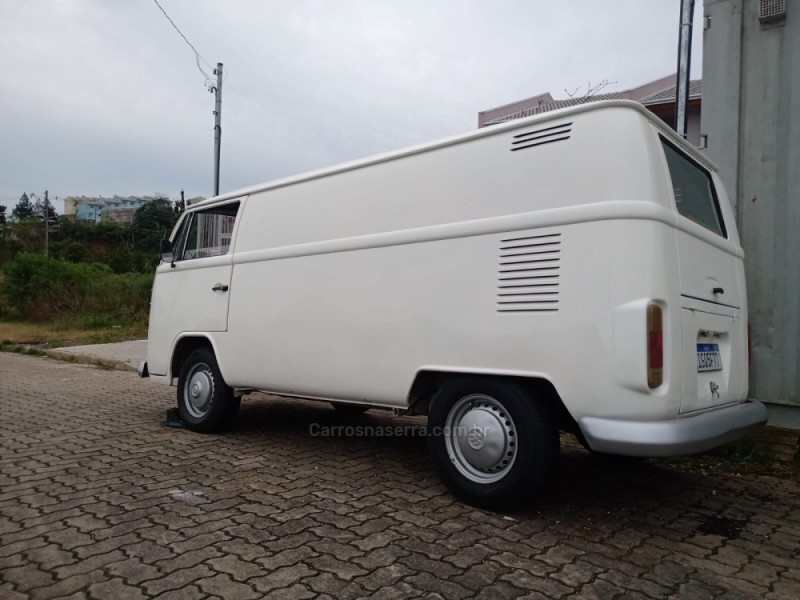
column 585, row 486
column 390, row 445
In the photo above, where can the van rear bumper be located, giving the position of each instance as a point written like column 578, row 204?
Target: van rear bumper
column 674, row 437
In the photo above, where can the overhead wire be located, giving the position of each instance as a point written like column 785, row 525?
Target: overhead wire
column 208, row 78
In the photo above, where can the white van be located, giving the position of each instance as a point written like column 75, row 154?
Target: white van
column 578, row 270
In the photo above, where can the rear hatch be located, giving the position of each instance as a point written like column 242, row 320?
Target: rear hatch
column 714, row 357
column 714, row 324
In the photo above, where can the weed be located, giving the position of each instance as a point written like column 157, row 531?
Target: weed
column 45, row 289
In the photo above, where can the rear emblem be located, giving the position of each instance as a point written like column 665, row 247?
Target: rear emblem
column 714, row 390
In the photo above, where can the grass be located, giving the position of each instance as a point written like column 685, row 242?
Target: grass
column 751, row 455
column 94, row 329
column 6, row 346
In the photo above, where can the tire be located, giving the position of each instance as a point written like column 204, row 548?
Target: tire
column 492, row 443
column 350, row 409
column 205, row 402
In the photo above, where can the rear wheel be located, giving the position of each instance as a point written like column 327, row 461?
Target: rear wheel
column 205, row 402
column 493, row 444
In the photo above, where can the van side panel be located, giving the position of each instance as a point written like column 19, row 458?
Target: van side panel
column 608, row 156
column 359, row 325
column 357, row 321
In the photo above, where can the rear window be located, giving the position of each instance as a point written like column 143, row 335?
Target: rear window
column 694, row 191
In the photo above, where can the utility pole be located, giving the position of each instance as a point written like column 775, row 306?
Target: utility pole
column 217, row 125
column 684, row 65
column 46, row 224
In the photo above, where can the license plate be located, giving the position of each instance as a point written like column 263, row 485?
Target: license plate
column 708, row 358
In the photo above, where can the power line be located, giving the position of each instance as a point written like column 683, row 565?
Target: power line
column 197, row 56
column 214, row 89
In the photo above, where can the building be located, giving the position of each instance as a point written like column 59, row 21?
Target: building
column 121, row 216
column 751, row 53
column 91, row 209
column 658, row 96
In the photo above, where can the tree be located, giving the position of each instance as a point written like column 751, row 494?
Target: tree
column 28, row 233
column 52, row 215
column 591, row 90
column 2, row 215
column 152, row 222
column 24, row 209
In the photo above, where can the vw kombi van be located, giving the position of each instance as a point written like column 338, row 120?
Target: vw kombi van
column 579, row 270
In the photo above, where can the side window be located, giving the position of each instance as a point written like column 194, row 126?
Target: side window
column 694, row 191
column 208, row 233
column 179, row 240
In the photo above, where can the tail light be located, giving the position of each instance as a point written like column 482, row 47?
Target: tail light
column 655, row 346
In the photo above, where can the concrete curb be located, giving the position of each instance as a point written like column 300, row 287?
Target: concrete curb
column 87, row 359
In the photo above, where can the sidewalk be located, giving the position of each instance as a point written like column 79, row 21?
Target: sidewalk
column 122, row 356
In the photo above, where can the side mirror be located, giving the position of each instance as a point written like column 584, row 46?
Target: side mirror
column 166, row 252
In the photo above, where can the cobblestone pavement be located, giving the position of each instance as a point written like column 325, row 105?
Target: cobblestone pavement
column 97, row 500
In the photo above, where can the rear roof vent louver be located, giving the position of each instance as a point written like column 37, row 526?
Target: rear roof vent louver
column 528, row 273
column 539, row 137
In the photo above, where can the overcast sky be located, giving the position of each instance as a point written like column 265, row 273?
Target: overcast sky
column 103, row 97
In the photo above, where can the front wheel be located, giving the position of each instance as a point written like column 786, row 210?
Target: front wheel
column 205, row 402
column 491, row 441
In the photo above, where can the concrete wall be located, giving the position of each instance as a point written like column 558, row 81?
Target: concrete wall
column 751, row 115
column 693, row 125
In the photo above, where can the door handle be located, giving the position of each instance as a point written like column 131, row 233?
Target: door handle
column 718, row 290
column 219, row 287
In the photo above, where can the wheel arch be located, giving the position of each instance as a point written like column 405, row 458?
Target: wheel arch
column 184, row 345
column 427, row 381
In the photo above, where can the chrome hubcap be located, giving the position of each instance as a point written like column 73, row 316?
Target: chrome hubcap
column 199, row 390
column 481, row 439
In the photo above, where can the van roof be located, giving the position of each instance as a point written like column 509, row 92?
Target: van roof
column 450, row 141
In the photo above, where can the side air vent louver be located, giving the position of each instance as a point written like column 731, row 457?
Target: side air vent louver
column 527, row 275
column 538, row 137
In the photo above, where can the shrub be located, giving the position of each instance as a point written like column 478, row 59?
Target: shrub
column 70, row 250
column 43, row 288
